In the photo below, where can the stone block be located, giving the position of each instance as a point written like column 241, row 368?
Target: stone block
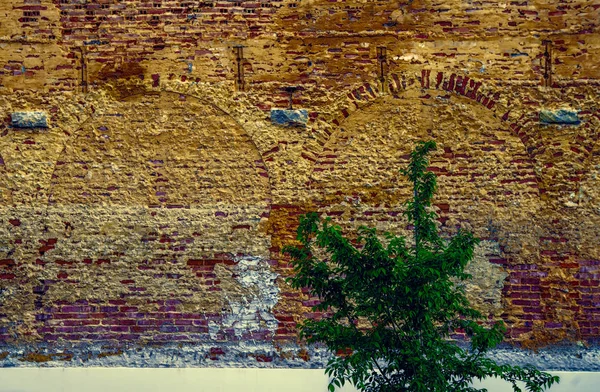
column 29, row 120
column 289, row 118
column 559, row 117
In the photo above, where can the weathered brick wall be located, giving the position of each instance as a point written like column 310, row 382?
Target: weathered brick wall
column 143, row 225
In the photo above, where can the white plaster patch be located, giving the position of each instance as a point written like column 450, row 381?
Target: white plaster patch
column 485, row 289
column 410, row 57
column 252, row 313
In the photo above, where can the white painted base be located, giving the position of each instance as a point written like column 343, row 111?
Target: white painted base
column 214, row 380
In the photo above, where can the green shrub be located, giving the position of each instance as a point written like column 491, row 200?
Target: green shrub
column 392, row 306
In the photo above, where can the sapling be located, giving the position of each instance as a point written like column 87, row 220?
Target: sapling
column 392, row 305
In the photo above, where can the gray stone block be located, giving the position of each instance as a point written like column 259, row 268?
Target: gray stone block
column 560, row 117
column 289, row 118
column 29, row 120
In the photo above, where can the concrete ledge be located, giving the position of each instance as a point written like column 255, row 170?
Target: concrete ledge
column 216, row 380
column 255, row 354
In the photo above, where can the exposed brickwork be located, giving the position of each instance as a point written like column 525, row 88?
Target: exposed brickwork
column 154, row 207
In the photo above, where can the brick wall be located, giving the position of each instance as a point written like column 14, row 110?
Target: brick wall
column 146, row 220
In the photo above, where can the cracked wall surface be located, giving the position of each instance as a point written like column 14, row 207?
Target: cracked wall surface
column 146, row 191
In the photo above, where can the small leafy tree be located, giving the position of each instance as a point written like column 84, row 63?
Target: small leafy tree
column 391, row 307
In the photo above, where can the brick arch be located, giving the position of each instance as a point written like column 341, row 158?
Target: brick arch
column 428, row 82
column 521, row 123
column 226, row 102
column 206, row 99
column 329, row 157
column 216, row 111
column 181, row 90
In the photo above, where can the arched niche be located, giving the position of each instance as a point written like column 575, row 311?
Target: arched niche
column 478, row 161
column 160, row 150
column 157, row 200
column 486, row 180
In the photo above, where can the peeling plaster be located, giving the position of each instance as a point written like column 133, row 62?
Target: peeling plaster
column 251, row 313
column 484, row 291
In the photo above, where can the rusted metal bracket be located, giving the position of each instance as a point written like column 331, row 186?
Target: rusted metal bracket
column 547, row 66
column 84, row 74
column 291, row 90
column 382, row 59
column 241, row 62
